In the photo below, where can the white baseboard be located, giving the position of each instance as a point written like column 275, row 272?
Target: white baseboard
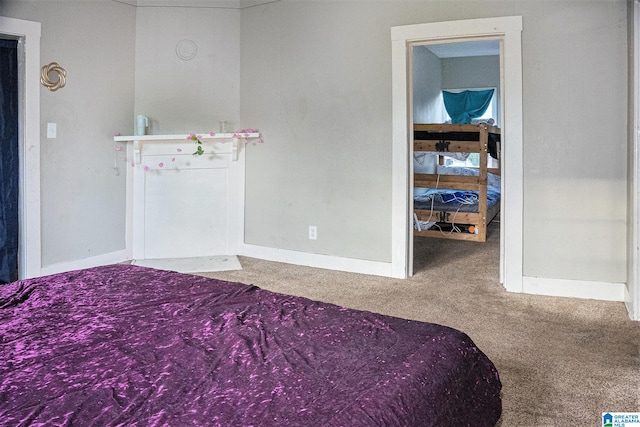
column 605, row 291
column 95, row 261
column 351, row 265
column 531, row 285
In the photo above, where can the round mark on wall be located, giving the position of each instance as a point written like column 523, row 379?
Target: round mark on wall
column 186, row 49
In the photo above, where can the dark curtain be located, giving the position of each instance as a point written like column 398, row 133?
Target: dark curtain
column 9, row 163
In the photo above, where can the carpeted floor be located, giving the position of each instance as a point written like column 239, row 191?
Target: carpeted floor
column 562, row 361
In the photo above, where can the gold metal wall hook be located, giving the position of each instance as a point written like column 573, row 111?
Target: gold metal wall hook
column 55, row 69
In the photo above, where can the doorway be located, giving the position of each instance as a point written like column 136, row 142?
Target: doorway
column 9, row 162
column 27, row 34
column 438, row 69
column 508, row 31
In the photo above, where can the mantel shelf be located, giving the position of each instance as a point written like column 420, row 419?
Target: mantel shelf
column 203, row 136
column 233, row 138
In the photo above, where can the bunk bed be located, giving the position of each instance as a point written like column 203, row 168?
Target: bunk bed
column 457, row 203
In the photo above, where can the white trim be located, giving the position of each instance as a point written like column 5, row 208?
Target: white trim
column 351, row 265
column 401, row 251
column 632, row 291
column 28, row 34
column 235, row 238
column 512, row 232
column 98, row 260
column 574, row 288
column 508, row 30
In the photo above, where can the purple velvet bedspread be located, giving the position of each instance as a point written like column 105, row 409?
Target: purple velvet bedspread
column 126, row 345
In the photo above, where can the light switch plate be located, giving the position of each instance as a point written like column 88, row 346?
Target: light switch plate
column 52, row 130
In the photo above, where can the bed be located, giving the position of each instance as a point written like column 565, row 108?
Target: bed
column 457, row 202
column 129, row 345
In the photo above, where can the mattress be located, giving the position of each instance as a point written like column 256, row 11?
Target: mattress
column 129, row 345
column 446, row 200
column 442, row 200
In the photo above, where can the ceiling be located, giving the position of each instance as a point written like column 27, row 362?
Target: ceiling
column 463, row 49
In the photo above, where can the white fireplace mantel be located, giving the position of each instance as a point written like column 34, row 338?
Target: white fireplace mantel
column 181, row 205
column 230, row 140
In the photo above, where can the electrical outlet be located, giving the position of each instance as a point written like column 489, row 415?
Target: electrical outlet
column 313, row 232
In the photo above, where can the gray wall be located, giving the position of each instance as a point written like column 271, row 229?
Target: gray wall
column 316, row 80
column 319, row 89
column 471, row 71
column 182, row 96
column 575, row 140
column 83, row 203
column 427, row 77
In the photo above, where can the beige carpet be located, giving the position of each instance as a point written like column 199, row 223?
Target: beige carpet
column 562, row 361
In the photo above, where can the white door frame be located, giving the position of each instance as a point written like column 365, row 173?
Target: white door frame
column 509, row 31
column 28, row 35
column 632, row 296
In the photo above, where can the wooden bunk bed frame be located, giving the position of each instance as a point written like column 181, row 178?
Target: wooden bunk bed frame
column 458, row 139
